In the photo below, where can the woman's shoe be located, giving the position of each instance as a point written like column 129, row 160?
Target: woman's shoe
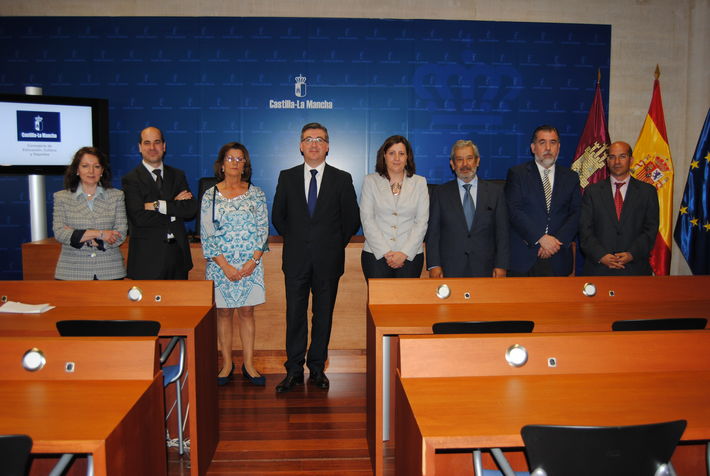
column 222, row 381
column 260, row 380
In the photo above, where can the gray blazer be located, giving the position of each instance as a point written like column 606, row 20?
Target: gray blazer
column 394, row 225
column 73, row 213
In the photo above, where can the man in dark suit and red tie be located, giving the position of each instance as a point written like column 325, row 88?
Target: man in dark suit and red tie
column 468, row 222
column 619, row 221
column 543, row 201
column 315, row 211
column 158, row 201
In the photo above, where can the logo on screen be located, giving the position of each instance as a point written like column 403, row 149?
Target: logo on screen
column 38, row 126
column 300, row 86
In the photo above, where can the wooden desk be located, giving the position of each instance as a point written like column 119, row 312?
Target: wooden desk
column 110, row 408
column 184, row 308
column 347, row 341
column 479, row 401
column 410, row 306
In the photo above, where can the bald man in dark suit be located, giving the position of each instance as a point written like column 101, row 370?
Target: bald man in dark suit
column 158, row 201
column 619, row 221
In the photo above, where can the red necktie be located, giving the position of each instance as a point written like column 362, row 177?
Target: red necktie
column 618, row 199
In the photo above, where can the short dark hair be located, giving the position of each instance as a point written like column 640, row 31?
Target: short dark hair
column 381, row 165
column 546, row 128
column 315, row 125
column 140, row 134
column 71, row 175
column 219, row 173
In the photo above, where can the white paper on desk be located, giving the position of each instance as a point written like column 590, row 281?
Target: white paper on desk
column 21, row 308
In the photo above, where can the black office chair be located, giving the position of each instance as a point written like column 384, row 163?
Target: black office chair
column 14, row 454
column 136, row 328
column 637, row 450
column 483, row 327
column 681, row 323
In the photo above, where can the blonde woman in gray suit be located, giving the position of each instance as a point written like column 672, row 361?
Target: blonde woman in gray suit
column 394, row 211
column 89, row 220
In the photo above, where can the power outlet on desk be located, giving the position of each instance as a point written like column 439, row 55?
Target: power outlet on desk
column 69, row 367
column 551, row 362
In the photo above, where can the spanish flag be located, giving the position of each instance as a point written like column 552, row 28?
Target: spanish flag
column 653, row 164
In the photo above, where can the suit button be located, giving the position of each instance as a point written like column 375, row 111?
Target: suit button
column 394, row 213
column 394, row 227
column 392, row 239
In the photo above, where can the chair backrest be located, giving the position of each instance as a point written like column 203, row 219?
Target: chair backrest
column 108, row 328
column 642, row 450
column 14, row 453
column 204, row 184
column 677, row 324
column 483, row 327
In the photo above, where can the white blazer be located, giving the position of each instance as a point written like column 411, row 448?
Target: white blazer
column 392, row 223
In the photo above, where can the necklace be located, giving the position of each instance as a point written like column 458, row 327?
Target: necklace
column 396, row 188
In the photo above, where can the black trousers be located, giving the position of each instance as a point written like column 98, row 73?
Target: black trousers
column 377, row 268
column 541, row 268
column 298, row 290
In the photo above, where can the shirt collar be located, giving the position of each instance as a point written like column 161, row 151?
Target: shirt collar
column 80, row 191
column 307, row 169
column 474, row 182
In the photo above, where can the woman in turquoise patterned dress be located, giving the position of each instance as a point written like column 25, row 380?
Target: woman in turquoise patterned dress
column 234, row 228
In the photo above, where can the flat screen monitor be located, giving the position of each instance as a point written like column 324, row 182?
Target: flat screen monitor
column 40, row 134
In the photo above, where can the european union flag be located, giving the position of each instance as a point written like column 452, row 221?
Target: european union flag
column 692, row 229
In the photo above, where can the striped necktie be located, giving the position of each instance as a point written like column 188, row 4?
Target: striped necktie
column 547, row 187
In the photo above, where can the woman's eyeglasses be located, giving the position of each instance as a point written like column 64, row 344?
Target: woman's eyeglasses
column 229, row 158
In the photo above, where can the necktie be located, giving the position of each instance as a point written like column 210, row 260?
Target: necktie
column 312, row 193
column 618, row 199
column 158, row 178
column 547, row 187
column 469, row 209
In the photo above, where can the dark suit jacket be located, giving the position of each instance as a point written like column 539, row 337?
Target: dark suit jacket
column 451, row 245
column 528, row 215
column 600, row 232
column 148, row 228
column 320, row 240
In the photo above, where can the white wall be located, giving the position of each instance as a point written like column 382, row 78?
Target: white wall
column 672, row 33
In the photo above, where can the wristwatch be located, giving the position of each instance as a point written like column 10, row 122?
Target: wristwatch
column 256, row 260
column 156, row 205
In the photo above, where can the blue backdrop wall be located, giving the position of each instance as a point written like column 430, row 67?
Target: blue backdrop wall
column 208, row 81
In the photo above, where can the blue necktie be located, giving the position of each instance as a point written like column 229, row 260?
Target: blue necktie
column 312, row 193
column 469, row 209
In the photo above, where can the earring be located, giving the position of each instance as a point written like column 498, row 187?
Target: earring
column 222, row 169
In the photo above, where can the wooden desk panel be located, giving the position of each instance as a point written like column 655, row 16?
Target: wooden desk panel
column 196, row 322
column 479, row 401
column 115, row 415
column 488, row 412
column 410, row 306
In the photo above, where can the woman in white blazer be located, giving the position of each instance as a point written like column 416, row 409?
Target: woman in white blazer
column 394, row 211
column 89, row 220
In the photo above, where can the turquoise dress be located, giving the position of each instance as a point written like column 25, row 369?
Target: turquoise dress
column 239, row 228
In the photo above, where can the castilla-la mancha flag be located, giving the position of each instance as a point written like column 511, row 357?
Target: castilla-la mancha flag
column 653, row 164
column 590, row 156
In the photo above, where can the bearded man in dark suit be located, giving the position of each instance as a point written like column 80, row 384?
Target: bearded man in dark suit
column 315, row 211
column 158, row 201
column 543, row 201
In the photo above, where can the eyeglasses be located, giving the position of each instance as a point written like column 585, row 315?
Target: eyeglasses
column 311, row 140
column 229, row 158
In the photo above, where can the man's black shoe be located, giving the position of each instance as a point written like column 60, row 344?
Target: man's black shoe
column 319, row 380
column 289, row 382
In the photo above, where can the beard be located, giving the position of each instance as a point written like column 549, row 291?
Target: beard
column 468, row 174
column 546, row 162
